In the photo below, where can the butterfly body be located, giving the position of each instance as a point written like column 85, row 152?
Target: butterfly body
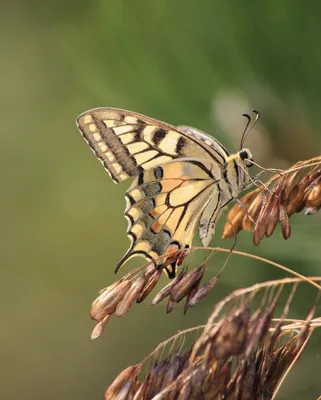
column 182, row 178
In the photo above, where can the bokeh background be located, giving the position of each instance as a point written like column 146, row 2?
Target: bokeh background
column 185, row 62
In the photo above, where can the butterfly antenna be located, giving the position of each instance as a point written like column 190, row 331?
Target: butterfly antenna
column 244, row 134
column 257, row 117
column 248, row 129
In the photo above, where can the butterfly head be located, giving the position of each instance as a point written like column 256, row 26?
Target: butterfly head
column 244, row 160
column 236, row 170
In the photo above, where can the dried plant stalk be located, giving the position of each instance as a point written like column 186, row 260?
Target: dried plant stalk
column 244, row 354
column 285, row 194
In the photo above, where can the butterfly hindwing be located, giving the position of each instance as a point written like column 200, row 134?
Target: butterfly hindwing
column 128, row 143
column 163, row 207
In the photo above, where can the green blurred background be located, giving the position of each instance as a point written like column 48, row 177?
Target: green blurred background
column 184, row 62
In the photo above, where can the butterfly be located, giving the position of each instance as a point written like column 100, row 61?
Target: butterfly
column 183, row 178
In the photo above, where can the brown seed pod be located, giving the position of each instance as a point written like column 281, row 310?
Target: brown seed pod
column 186, row 284
column 107, row 302
column 166, row 291
column 131, row 295
column 152, row 280
column 121, row 382
column 202, row 292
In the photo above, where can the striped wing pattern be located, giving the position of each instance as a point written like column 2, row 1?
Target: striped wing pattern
column 128, row 144
column 182, row 178
column 163, row 206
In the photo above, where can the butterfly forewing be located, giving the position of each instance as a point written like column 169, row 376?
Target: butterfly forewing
column 128, row 143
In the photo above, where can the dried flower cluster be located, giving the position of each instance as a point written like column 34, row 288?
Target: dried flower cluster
column 121, row 295
column 186, row 285
column 135, row 287
column 242, row 355
column 286, row 193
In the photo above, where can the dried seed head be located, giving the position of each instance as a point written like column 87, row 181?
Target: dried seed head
column 171, row 304
column 290, row 192
column 107, row 302
column 236, row 215
column 172, row 371
column 203, row 291
column 152, row 280
column 168, row 288
column 186, row 284
column 284, row 221
column 231, row 337
column 146, row 389
column 273, row 217
column 253, row 212
column 99, row 328
column 313, row 200
column 290, row 185
column 190, row 295
column 119, row 297
column 131, row 295
column 204, row 371
column 128, row 375
column 157, row 375
column 260, row 227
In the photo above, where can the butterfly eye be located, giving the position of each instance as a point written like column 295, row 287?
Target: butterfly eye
column 244, row 155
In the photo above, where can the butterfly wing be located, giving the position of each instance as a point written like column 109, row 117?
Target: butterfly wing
column 128, row 143
column 163, row 208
